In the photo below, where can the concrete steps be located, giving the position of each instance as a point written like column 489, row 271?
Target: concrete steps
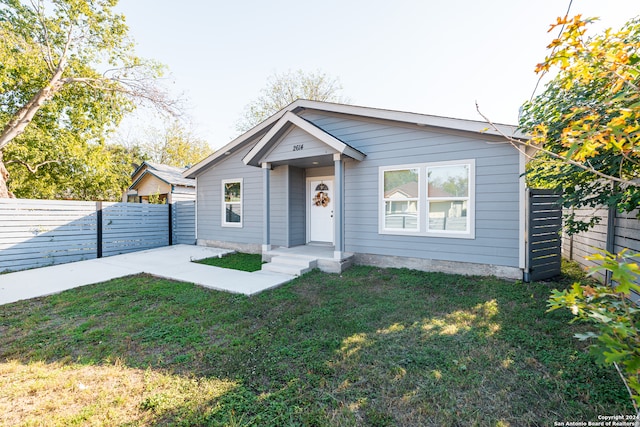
column 293, row 265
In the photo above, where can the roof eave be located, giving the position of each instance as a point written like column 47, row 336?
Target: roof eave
column 419, row 119
column 233, row 145
column 145, row 174
column 288, row 118
column 475, row 126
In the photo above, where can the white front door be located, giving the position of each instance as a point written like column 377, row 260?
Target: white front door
column 320, row 209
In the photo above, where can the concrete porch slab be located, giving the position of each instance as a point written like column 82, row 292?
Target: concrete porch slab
column 171, row 262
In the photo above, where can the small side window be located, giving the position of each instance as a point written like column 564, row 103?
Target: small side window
column 232, row 203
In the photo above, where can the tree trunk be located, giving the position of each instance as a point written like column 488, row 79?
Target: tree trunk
column 4, row 177
column 23, row 117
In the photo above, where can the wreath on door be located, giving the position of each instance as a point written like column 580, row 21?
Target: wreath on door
column 321, row 199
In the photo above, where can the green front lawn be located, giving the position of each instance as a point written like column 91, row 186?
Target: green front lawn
column 235, row 260
column 371, row 346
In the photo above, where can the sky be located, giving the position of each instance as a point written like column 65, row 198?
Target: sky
column 423, row 56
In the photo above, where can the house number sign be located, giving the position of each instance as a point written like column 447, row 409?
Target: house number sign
column 298, row 147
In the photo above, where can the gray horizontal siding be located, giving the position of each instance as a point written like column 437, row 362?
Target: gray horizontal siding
column 210, row 201
column 279, row 186
column 297, row 207
column 308, row 146
column 497, row 189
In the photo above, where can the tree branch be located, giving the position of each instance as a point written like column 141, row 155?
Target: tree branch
column 32, row 169
column 633, row 401
column 25, row 114
column 519, row 143
column 48, row 59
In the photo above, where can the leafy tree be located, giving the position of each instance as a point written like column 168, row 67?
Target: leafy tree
column 175, row 145
column 57, row 103
column 585, row 126
column 614, row 316
column 101, row 172
column 282, row 89
column 585, row 132
column 398, row 178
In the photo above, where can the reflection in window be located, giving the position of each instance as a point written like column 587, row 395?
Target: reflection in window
column 401, row 192
column 232, row 203
column 428, row 199
column 448, row 197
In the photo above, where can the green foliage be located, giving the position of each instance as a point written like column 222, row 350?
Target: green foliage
column 588, row 119
column 157, row 199
column 82, row 170
column 615, row 317
column 283, row 89
column 62, row 152
column 369, row 346
column 175, row 145
column 398, row 178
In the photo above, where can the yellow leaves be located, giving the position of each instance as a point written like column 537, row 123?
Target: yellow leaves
column 542, row 67
column 601, row 76
column 554, row 43
column 576, row 22
column 631, row 128
column 588, row 291
column 617, row 121
column 618, row 86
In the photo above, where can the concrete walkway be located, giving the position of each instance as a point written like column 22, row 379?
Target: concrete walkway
column 171, row 262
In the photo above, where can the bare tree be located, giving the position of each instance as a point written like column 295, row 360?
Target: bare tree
column 282, row 89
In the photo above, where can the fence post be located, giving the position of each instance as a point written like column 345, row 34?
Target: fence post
column 611, row 238
column 99, row 229
column 170, row 223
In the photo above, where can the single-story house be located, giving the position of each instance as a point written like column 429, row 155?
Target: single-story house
column 350, row 184
column 164, row 182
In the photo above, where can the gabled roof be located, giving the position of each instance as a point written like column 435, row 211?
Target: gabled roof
column 170, row 174
column 260, row 133
column 408, row 190
column 291, row 119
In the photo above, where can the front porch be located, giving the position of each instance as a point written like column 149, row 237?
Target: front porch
column 298, row 260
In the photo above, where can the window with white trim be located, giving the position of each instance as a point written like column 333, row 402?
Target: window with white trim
column 401, row 190
column 448, row 198
column 428, row 199
column 232, row 203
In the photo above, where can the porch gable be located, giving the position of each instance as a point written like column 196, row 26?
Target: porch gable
column 293, row 137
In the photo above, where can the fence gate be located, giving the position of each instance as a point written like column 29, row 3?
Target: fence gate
column 544, row 257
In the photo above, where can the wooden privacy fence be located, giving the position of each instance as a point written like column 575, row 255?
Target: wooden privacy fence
column 35, row 233
column 183, row 222
column 544, row 239
column 614, row 233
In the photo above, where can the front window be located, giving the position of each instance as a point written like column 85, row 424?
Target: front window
column 401, row 199
column 232, row 203
column 428, row 199
column 448, row 198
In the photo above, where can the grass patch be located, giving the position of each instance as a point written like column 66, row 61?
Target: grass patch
column 235, row 260
column 368, row 347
